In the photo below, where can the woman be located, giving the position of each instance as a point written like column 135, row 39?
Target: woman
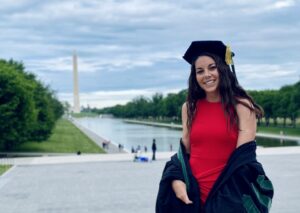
column 219, row 123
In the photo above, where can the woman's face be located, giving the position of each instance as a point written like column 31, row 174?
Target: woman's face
column 207, row 74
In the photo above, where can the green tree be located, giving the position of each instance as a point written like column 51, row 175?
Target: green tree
column 17, row 112
column 156, row 105
column 28, row 108
column 294, row 106
column 284, row 102
column 45, row 121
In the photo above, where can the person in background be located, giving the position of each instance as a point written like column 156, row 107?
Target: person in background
column 138, row 149
column 153, row 149
column 120, row 147
column 132, row 149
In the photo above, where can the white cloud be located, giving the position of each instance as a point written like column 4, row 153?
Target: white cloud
column 138, row 44
column 13, row 4
column 255, row 7
column 97, row 11
column 119, row 63
column 268, row 76
column 62, row 64
column 283, row 4
column 262, row 71
column 102, row 99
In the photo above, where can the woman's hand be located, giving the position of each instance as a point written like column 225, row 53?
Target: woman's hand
column 179, row 188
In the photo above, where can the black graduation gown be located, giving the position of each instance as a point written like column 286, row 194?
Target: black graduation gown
column 241, row 187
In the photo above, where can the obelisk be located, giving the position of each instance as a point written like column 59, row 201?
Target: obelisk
column 76, row 107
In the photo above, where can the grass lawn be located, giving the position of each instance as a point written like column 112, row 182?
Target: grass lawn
column 84, row 114
column 4, row 168
column 66, row 138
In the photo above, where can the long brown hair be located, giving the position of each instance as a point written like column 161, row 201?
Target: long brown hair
column 230, row 91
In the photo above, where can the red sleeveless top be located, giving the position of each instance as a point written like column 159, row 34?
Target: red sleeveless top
column 211, row 144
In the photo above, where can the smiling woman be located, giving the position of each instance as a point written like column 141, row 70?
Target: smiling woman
column 207, row 76
column 216, row 169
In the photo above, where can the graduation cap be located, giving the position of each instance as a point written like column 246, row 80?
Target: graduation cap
column 198, row 48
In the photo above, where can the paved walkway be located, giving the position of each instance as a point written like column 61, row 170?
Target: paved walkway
column 120, row 186
column 81, row 158
column 113, row 183
column 84, row 158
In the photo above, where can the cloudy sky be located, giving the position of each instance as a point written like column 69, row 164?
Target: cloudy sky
column 134, row 47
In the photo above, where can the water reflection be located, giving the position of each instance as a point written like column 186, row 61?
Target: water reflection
column 132, row 135
column 270, row 142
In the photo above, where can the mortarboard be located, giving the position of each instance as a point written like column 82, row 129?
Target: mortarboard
column 215, row 47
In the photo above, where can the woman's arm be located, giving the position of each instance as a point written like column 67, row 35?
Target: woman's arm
column 247, row 123
column 185, row 132
column 179, row 186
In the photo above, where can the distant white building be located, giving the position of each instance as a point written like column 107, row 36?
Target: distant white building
column 76, row 106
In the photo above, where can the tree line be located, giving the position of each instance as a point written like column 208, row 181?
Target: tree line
column 28, row 108
column 283, row 103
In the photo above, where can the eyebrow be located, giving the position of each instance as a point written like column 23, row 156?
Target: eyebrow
column 208, row 66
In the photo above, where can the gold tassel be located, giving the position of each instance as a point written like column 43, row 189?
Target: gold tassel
column 228, row 56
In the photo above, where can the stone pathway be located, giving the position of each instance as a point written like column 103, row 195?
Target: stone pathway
column 122, row 186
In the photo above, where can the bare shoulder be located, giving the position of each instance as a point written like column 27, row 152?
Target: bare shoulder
column 247, row 121
column 184, row 108
column 243, row 106
column 244, row 101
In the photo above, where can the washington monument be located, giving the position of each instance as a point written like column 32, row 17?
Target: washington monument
column 76, row 106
